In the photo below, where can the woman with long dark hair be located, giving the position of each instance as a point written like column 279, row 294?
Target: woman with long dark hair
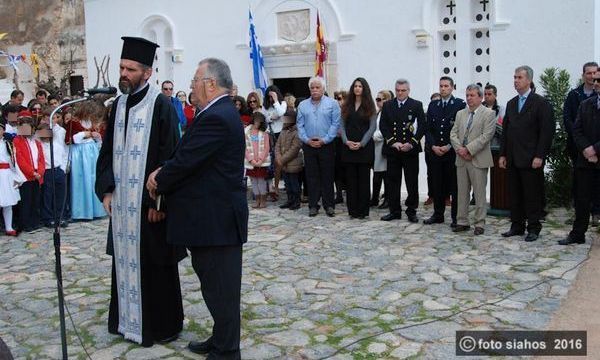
column 242, row 108
column 359, row 121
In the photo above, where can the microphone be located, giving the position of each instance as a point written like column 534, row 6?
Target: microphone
column 108, row 91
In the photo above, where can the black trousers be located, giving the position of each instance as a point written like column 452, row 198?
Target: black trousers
column 29, row 206
column 395, row 167
column 358, row 188
column 219, row 269
column 292, row 186
column 378, row 178
column 526, row 198
column 586, row 186
column 339, row 172
column 49, row 194
column 443, row 179
column 429, row 182
column 319, row 166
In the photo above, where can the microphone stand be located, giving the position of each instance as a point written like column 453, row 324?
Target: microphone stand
column 56, row 235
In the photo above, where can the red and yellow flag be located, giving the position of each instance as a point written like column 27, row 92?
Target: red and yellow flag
column 321, row 50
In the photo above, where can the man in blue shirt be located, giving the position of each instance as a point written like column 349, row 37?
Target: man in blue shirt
column 167, row 89
column 318, row 122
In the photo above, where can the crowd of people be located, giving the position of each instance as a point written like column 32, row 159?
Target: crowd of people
column 324, row 147
column 26, row 174
column 30, row 172
column 148, row 153
column 349, row 139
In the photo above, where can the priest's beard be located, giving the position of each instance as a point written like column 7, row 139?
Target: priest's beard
column 128, row 86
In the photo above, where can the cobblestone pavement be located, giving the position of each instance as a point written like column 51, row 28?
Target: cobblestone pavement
column 310, row 286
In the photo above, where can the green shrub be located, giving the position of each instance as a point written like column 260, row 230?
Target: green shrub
column 555, row 83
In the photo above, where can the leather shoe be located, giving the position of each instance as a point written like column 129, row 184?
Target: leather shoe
column 513, row 232
column 531, row 237
column 201, row 347
column 330, row 212
column 461, row 228
column 429, row 201
column 478, row 231
column 285, row 205
column 412, row 218
column 313, row 212
column 390, row 217
column 295, row 206
column 571, row 240
column 453, row 224
column 433, row 220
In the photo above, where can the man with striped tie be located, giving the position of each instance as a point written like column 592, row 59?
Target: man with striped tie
column 470, row 136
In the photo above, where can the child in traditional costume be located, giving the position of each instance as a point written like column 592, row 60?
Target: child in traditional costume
column 86, row 135
column 29, row 157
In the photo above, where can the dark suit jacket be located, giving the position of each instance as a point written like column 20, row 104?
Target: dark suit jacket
column 394, row 125
column 202, row 182
column 527, row 134
column 574, row 99
column 586, row 131
column 440, row 121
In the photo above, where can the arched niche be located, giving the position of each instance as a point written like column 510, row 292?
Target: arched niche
column 159, row 29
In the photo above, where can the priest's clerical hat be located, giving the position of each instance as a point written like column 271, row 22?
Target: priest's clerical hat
column 138, row 49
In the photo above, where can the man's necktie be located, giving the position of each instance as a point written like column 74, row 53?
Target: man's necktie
column 521, row 102
column 469, row 123
column 443, row 104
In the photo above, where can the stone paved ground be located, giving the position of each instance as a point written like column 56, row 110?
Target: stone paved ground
column 311, row 286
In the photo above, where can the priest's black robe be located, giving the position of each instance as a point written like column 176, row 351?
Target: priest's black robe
column 162, row 309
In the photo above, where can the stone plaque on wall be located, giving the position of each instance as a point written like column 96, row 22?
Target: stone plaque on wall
column 293, row 25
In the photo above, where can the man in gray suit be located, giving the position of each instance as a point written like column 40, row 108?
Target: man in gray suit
column 471, row 135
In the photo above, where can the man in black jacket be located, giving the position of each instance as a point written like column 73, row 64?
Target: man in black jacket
column 440, row 119
column 528, row 128
column 574, row 99
column 586, row 135
column 206, row 204
column 402, row 125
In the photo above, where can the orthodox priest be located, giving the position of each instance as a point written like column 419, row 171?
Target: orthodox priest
column 142, row 131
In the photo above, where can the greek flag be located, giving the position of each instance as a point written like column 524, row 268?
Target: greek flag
column 258, row 64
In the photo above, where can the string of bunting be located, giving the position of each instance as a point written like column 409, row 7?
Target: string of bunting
column 14, row 60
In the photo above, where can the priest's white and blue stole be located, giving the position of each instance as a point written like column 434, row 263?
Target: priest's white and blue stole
column 130, row 149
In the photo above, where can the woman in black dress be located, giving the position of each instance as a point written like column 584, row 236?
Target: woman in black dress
column 359, row 121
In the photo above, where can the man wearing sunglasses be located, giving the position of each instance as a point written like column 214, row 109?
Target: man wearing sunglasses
column 167, row 89
column 586, row 135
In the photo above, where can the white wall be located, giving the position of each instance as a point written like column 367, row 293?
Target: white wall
column 375, row 40
column 556, row 33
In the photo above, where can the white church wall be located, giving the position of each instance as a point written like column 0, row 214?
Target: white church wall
column 376, row 41
column 380, row 41
column 554, row 33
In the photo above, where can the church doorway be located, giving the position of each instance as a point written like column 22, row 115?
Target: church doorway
column 295, row 86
